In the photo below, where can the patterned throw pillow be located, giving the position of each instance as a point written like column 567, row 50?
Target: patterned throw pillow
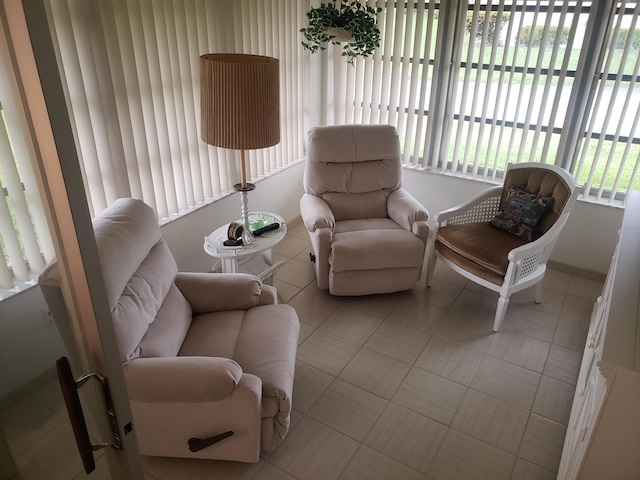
column 521, row 212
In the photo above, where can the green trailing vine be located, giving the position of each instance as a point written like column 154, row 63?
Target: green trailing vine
column 358, row 19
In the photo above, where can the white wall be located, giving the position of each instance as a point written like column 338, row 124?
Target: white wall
column 29, row 345
column 29, row 341
column 279, row 193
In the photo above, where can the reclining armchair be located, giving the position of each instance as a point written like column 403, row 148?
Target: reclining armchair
column 368, row 234
column 205, row 355
column 502, row 238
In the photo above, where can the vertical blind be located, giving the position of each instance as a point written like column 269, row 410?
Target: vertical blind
column 473, row 85
column 131, row 71
column 131, row 74
column 25, row 243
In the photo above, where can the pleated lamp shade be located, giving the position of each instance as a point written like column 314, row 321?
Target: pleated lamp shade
column 239, row 100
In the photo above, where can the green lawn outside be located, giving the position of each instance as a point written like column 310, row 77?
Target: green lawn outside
column 516, row 55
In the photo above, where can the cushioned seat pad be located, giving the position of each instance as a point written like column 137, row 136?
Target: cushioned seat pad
column 244, row 337
column 262, row 340
column 480, row 243
column 356, row 225
column 385, row 248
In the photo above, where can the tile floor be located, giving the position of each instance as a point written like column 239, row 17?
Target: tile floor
column 412, row 385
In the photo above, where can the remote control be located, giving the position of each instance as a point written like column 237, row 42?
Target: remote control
column 265, row 229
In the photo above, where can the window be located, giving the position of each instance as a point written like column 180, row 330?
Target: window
column 131, row 72
column 474, row 85
column 25, row 242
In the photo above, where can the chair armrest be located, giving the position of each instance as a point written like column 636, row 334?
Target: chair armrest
column 526, row 259
column 481, row 208
column 269, row 295
column 316, row 213
column 405, row 210
column 181, row 379
column 214, row 292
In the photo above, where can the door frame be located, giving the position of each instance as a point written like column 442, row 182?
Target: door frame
column 59, row 178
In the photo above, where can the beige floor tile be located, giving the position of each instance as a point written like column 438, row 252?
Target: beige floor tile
column 271, row 472
column 542, row 442
column 296, row 418
column 445, row 274
column 102, row 472
column 375, row 373
column 313, row 305
column 474, row 287
column 291, row 246
column 367, row 464
column 469, row 321
column 557, row 281
column 530, row 322
column 577, row 309
column 491, row 420
column 158, row 467
column 406, row 436
column 442, row 294
column 308, row 384
column 417, row 315
column 52, row 456
column 506, row 381
column 430, row 395
column 398, row 342
column 303, row 256
column 297, row 273
column 377, row 305
column 551, row 304
column 528, row 471
column 327, row 352
column 450, row 360
column 585, row 288
column 351, row 324
column 286, row 291
column 211, row 470
column 462, row 457
column 297, row 230
column 522, row 350
column 554, row 400
column 51, row 397
column 571, row 334
column 348, row 409
column 314, row 451
column 26, row 422
column 563, row 364
column 305, row 331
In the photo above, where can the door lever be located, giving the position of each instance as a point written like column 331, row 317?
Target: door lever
column 70, row 388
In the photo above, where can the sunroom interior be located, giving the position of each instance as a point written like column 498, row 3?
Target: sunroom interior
column 470, row 87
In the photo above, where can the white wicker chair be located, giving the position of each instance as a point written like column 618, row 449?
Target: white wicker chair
column 466, row 242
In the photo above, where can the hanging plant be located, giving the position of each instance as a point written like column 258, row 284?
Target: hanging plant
column 351, row 24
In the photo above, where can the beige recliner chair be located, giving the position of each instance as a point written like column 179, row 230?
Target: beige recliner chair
column 368, row 234
column 203, row 353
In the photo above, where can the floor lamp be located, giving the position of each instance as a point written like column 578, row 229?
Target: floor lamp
column 240, row 109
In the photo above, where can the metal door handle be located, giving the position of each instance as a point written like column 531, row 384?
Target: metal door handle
column 70, row 388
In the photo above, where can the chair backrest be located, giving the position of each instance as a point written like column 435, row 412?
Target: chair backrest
column 353, row 168
column 150, row 315
column 544, row 180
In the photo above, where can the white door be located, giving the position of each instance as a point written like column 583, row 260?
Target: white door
column 61, row 187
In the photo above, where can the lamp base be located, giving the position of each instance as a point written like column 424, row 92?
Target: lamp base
column 239, row 188
column 247, row 236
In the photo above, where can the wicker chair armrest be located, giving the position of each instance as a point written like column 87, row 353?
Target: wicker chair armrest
column 481, row 208
column 530, row 256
